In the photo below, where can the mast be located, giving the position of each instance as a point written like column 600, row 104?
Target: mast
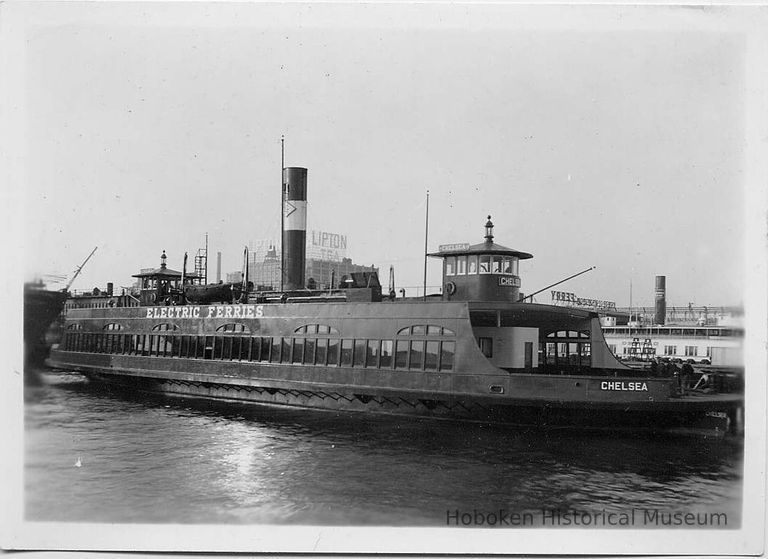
column 282, row 208
column 426, row 238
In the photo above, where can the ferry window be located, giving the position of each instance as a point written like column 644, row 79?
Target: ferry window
column 372, row 353
column 450, row 266
column 266, row 348
column 691, row 351
column 485, row 263
column 514, row 266
column 301, row 329
column 253, row 349
column 333, row 351
column 472, row 264
column 298, row 350
column 75, row 326
column 386, row 354
column 461, row 265
column 164, row 326
column 274, row 356
column 360, row 349
column 309, row 351
column 404, row 331
column 312, row 329
column 416, row 358
column 322, row 351
column 447, row 350
column 418, row 330
column 113, row 326
column 239, row 348
column 401, row 354
column 285, row 350
column 433, row 330
column 185, row 346
column 496, row 265
column 218, row 347
column 346, row 352
column 709, row 351
column 506, row 265
column 430, row 355
column 486, row 346
column 448, row 332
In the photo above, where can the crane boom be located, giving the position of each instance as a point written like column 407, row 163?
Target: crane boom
column 79, row 269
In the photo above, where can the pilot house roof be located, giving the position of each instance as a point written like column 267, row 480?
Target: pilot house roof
column 164, row 272
column 487, row 247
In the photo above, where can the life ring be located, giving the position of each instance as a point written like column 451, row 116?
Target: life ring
column 450, row 288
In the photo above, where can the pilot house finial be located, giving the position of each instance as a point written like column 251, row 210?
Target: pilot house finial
column 489, row 231
column 162, row 260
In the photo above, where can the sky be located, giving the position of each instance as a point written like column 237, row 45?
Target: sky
column 601, row 136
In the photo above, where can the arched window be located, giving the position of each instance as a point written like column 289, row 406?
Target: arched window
column 165, row 326
column 75, row 326
column 316, row 329
column 425, row 330
column 233, row 327
column 113, row 326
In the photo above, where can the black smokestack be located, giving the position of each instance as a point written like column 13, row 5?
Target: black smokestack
column 661, row 299
column 294, row 226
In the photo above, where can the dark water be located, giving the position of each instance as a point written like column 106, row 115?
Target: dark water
column 157, row 459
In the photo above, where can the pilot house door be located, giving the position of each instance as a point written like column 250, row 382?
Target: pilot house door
column 528, row 355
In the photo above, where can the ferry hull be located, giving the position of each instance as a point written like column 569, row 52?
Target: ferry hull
column 706, row 417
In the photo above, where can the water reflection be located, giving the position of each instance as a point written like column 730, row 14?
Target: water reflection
column 159, row 459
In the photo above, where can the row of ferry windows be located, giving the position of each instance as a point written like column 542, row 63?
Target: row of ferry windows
column 415, row 330
column 401, row 354
column 688, row 351
column 481, row 264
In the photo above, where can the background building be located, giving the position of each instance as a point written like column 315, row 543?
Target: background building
column 326, row 258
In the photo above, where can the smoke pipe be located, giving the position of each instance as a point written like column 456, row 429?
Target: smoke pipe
column 294, row 227
column 661, row 300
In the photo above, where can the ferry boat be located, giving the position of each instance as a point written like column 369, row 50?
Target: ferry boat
column 474, row 352
column 41, row 307
column 713, row 344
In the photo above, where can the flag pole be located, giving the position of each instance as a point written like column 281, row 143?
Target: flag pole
column 426, row 238
column 282, row 208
